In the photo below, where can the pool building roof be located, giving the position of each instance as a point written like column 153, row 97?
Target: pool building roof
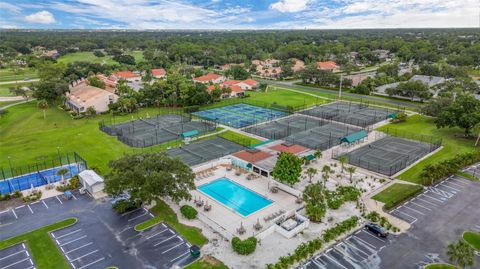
column 252, row 155
column 289, row 147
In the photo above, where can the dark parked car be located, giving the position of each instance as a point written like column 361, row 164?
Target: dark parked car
column 376, row 229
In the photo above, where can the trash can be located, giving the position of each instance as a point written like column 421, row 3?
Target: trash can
column 195, row 251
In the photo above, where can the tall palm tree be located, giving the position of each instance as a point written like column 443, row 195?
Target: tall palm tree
column 317, row 154
column 311, row 172
column 62, row 172
column 461, row 254
column 343, row 160
column 326, row 170
column 351, row 170
column 43, row 105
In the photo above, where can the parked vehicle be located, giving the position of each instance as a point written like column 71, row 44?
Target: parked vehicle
column 376, row 229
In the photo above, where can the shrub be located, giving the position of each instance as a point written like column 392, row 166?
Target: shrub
column 339, row 229
column 123, row 206
column 34, row 196
column 188, row 212
column 7, row 196
column 17, row 194
column 244, row 247
column 433, row 173
column 74, row 182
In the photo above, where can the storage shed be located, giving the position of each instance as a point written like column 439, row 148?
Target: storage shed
column 91, row 181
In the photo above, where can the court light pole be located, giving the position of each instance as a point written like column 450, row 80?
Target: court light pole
column 340, row 92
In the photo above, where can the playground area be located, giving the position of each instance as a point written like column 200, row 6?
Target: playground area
column 240, row 115
column 156, row 130
column 389, row 155
column 205, row 150
column 351, row 113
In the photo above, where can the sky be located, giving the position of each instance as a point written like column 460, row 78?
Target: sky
column 238, row 14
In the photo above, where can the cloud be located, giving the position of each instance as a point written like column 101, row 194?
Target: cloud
column 42, row 17
column 9, row 7
column 287, row 6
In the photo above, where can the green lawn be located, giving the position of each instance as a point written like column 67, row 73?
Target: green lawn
column 163, row 213
column 467, row 175
column 285, row 98
column 207, row 262
column 452, row 141
column 396, row 194
column 8, row 74
column 239, row 138
column 440, row 266
column 473, row 238
column 44, row 251
column 5, row 88
column 85, row 56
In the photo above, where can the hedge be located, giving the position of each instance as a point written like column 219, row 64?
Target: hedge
column 435, row 172
column 188, row 212
column 244, row 247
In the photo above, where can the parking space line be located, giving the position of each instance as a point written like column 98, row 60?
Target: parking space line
column 59, row 200
column 458, row 185
column 83, row 256
column 174, row 247
column 421, row 206
column 18, row 207
column 376, row 237
column 318, row 263
column 75, row 249
column 335, row 261
column 163, row 241
column 130, row 212
column 67, row 234
column 443, row 185
column 425, row 201
column 414, row 219
column 44, row 204
column 139, row 216
column 365, row 242
column 74, row 240
column 155, row 234
column 12, row 254
column 352, row 246
column 30, row 208
column 151, row 215
column 92, row 263
column 15, row 263
column 183, row 255
column 433, row 198
column 74, row 197
column 460, row 181
column 15, row 214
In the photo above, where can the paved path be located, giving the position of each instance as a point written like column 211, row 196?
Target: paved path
column 19, row 81
column 354, row 95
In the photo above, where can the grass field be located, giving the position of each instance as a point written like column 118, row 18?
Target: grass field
column 207, row 262
column 452, row 141
column 7, row 74
column 87, row 56
column 396, row 194
column 44, row 251
column 5, row 88
column 163, row 213
column 440, row 266
column 473, row 238
column 239, row 138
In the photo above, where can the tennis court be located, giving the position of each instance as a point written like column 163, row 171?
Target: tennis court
column 281, row 128
column 389, row 155
column 155, row 130
column 240, row 115
column 351, row 113
column 322, row 137
column 204, row 150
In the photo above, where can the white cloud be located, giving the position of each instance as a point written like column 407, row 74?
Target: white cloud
column 10, row 7
column 42, row 17
column 290, row 5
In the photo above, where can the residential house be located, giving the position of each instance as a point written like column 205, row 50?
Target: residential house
column 51, row 54
column 110, row 82
column 159, row 73
column 127, row 75
column 358, row 78
column 329, row 66
column 82, row 96
column 298, row 65
column 430, row 81
column 210, row 78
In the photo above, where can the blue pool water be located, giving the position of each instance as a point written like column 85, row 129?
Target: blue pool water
column 40, row 178
column 234, row 196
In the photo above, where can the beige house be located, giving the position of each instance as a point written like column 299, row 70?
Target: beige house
column 83, row 96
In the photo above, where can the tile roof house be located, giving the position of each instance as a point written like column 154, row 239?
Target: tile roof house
column 127, row 75
column 110, row 82
column 328, row 65
column 82, row 96
column 298, row 65
column 210, row 78
column 159, row 73
column 51, row 54
column 358, row 78
column 237, row 87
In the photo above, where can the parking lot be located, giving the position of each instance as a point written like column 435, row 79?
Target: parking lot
column 438, row 216
column 474, row 170
column 99, row 239
column 16, row 257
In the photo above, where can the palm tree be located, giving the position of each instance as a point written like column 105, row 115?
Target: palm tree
column 43, row 105
column 343, row 160
column 62, row 172
column 311, row 172
column 351, row 170
column 317, row 154
column 326, row 170
column 461, row 253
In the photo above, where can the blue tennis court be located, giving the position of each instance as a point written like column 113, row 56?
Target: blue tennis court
column 240, row 115
column 36, row 179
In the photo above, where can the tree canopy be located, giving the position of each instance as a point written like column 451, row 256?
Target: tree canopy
column 288, row 168
column 464, row 112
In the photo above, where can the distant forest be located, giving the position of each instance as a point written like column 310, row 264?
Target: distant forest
column 459, row 47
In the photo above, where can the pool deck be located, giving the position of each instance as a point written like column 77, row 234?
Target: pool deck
column 226, row 220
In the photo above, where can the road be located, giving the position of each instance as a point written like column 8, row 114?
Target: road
column 291, row 84
column 19, row 81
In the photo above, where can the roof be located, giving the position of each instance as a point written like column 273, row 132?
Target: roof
column 428, row 80
column 159, row 72
column 208, row 77
column 290, row 148
column 250, row 82
column 236, row 88
column 327, row 65
column 126, row 74
column 354, row 137
column 90, row 177
column 190, row 133
column 252, row 156
column 86, row 93
column 231, row 82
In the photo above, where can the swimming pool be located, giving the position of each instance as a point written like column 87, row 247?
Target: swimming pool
column 40, row 178
column 234, row 196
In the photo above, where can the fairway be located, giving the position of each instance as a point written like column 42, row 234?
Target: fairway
column 88, row 56
column 9, row 75
column 452, row 143
column 5, row 88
